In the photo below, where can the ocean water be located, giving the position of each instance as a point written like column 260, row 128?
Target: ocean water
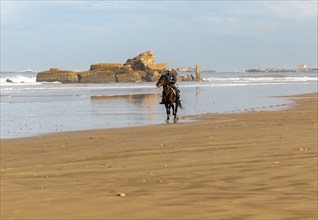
column 29, row 108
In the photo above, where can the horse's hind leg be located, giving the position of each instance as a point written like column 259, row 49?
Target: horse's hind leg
column 175, row 110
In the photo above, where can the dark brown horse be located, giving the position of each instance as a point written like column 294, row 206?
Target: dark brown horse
column 171, row 99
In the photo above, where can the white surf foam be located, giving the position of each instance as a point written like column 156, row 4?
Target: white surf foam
column 18, row 79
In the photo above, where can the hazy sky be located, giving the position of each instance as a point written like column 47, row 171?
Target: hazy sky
column 218, row 35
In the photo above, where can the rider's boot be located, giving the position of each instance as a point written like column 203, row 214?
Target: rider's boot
column 178, row 97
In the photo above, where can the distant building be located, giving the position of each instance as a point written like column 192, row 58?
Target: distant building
column 302, row 67
column 185, row 69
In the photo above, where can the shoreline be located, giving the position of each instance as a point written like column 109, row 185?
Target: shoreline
column 184, row 118
column 48, row 108
column 256, row 165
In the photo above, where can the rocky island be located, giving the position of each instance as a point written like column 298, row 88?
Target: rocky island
column 139, row 69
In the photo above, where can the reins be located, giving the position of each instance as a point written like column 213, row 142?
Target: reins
column 167, row 88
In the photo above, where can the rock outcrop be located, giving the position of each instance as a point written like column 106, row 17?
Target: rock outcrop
column 197, row 73
column 55, row 74
column 105, row 66
column 97, row 76
column 139, row 69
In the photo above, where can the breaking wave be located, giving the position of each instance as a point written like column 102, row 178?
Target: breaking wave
column 17, row 79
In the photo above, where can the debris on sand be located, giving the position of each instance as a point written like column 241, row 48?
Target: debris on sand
column 121, row 194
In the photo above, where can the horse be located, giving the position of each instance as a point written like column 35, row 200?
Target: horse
column 171, row 99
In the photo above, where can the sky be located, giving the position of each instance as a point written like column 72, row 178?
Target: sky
column 216, row 35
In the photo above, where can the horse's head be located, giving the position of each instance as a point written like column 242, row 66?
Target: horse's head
column 161, row 81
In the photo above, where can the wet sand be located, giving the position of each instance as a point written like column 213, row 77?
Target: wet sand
column 253, row 165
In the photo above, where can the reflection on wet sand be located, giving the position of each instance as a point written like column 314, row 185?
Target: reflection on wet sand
column 197, row 94
column 146, row 100
column 197, row 91
column 142, row 102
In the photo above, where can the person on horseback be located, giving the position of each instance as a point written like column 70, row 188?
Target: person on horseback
column 172, row 79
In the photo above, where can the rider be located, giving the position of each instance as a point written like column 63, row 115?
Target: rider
column 172, row 79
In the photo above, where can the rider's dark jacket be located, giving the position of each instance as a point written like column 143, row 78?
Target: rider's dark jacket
column 171, row 78
column 172, row 81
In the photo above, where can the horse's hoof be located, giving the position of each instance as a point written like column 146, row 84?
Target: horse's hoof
column 167, row 121
column 176, row 119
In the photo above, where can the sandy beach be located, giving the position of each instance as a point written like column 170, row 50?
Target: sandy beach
column 252, row 165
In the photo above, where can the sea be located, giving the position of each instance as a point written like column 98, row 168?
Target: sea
column 30, row 108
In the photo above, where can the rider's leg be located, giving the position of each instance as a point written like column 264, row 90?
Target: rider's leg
column 177, row 91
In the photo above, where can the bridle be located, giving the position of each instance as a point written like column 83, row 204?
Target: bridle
column 161, row 81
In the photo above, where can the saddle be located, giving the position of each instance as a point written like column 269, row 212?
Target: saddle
column 175, row 91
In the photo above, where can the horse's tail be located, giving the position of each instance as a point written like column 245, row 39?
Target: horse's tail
column 179, row 104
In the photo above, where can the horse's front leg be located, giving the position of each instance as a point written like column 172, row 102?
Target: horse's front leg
column 173, row 110
column 168, row 112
